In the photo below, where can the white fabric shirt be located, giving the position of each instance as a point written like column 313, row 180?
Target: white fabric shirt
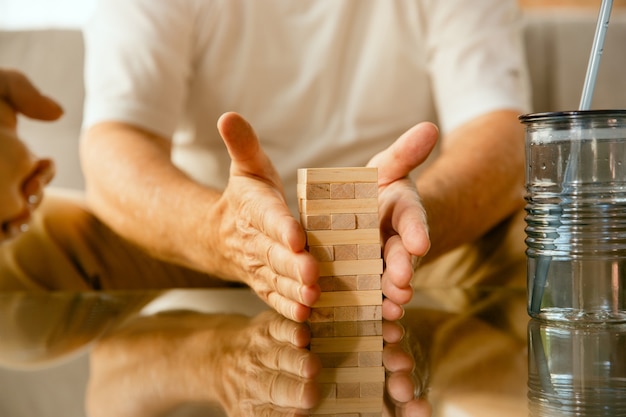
column 323, row 82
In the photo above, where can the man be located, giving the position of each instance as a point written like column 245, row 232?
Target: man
column 324, row 83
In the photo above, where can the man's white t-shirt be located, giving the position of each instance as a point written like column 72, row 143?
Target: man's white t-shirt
column 323, row 82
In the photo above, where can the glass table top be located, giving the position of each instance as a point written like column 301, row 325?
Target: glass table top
column 218, row 352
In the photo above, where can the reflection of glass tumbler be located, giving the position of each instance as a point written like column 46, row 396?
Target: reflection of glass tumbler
column 576, row 215
column 576, row 370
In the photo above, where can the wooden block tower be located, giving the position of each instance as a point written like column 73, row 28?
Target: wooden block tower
column 339, row 211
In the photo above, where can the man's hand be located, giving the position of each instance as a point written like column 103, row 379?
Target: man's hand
column 249, row 366
column 262, row 241
column 22, row 175
column 403, row 221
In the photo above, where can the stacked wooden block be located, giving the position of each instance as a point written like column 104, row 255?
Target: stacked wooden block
column 339, row 211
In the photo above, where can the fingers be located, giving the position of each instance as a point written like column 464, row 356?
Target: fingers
column 399, row 200
column 393, row 332
column 287, row 331
column 397, row 276
column 391, row 310
column 33, row 186
column 406, row 153
column 402, row 213
column 277, row 267
column 30, row 198
column 396, row 279
column 291, row 360
column 287, row 281
column 293, row 310
column 403, row 386
column 17, row 90
column 287, row 369
column 283, row 390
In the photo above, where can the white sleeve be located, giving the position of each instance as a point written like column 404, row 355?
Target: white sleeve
column 137, row 63
column 476, row 59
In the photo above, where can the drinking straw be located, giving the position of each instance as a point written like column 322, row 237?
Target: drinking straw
column 543, row 263
column 596, row 53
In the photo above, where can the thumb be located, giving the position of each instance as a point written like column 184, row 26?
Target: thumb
column 17, row 90
column 245, row 150
column 406, row 153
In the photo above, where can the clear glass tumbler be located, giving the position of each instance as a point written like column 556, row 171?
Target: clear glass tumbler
column 576, row 215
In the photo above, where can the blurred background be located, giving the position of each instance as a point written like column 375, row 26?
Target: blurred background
column 558, row 36
column 27, row 14
column 20, row 14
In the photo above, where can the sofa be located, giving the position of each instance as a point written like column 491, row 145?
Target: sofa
column 557, row 45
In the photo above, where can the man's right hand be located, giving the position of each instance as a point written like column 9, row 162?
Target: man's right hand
column 261, row 241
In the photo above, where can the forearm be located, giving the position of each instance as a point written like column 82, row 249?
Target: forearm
column 134, row 188
column 476, row 182
column 134, row 368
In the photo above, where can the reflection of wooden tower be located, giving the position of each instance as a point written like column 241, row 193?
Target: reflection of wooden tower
column 339, row 211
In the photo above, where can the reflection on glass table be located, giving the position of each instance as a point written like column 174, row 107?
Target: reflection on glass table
column 158, row 354
column 191, row 353
column 576, row 370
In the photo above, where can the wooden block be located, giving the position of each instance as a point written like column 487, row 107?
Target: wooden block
column 367, row 220
column 339, row 359
column 345, row 283
column 368, row 282
column 323, row 329
column 318, row 191
column 346, row 328
column 343, row 221
column 353, row 374
column 347, row 344
column 322, row 253
column 366, row 359
column 345, row 252
column 366, row 190
column 371, row 389
column 328, row 390
column 356, row 205
column 341, row 406
column 363, row 299
column 348, row 407
column 373, row 414
column 342, row 191
column 343, row 174
column 315, row 222
column 369, row 328
column 354, row 267
column 366, row 313
column 321, row 315
column 346, row 313
column 326, row 283
column 348, row 390
column 368, row 251
column 342, row 329
column 344, row 237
